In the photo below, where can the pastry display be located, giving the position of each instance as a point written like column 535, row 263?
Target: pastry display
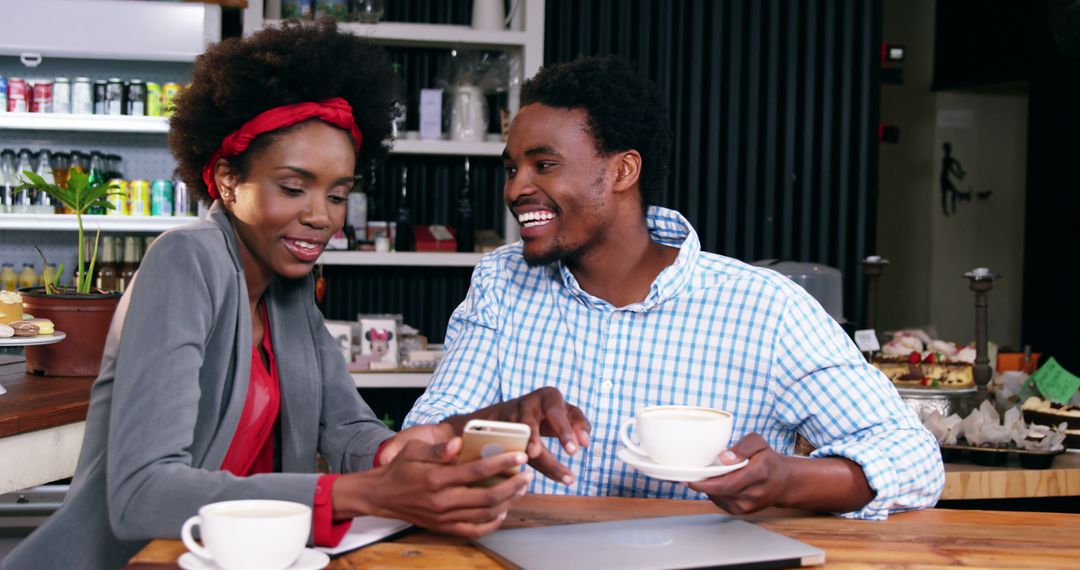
column 11, row 308
column 24, row 328
column 6, row 331
column 911, row 362
column 45, row 326
column 1042, row 411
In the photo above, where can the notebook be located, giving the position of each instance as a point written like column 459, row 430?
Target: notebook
column 696, row 541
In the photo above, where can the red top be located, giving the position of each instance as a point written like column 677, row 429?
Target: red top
column 252, row 448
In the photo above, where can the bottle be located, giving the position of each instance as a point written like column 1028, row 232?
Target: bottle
column 105, row 274
column 28, row 277
column 43, row 203
column 97, row 176
column 403, row 237
column 61, row 162
column 127, row 269
column 465, row 232
column 8, row 181
column 398, row 126
column 24, row 199
column 9, row 280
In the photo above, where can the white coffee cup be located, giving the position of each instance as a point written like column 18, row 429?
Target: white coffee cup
column 250, row 534
column 679, row 436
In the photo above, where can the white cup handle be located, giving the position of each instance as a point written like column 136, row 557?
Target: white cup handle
column 624, row 435
column 189, row 541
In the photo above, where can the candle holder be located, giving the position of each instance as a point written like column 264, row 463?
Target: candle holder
column 873, row 268
column 981, row 281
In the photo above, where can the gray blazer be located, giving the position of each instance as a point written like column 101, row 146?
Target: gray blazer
column 168, row 399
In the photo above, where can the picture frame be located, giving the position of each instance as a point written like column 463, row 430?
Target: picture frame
column 379, row 340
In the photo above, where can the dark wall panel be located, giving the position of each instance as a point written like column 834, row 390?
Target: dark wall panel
column 774, row 105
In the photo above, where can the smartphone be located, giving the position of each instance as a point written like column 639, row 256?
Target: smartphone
column 485, row 438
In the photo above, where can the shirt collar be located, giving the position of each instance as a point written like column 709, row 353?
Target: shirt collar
column 667, row 227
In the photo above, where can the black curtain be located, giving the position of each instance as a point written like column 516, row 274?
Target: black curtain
column 774, row 106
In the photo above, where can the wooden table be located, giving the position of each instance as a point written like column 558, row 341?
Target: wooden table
column 965, row 480
column 42, row 421
column 923, row 539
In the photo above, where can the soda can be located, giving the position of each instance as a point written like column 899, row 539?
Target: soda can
column 61, row 95
column 18, row 95
column 3, row 94
column 139, row 198
column 181, row 199
column 169, row 91
column 114, row 96
column 119, row 199
column 153, row 99
column 135, row 102
column 42, row 99
column 161, row 198
column 82, row 97
column 101, row 87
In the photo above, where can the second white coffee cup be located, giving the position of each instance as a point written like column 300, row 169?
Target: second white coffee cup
column 250, row 534
column 679, row 436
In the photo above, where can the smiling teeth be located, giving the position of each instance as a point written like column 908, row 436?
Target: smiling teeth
column 538, row 216
column 305, row 244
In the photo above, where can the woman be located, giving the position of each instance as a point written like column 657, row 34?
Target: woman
column 220, row 380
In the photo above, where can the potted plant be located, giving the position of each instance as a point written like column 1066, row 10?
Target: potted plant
column 81, row 311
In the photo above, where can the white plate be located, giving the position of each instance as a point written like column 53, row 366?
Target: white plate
column 657, row 471
column 310, row 559
column 33, row 340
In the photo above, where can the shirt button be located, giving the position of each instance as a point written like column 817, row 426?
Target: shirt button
column 607, row 385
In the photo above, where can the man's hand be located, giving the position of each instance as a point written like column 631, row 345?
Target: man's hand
column 438, row 433
column 769, row 479
column 549, row 415
column 424, row 486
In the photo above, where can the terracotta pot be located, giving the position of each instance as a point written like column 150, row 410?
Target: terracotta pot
column 85, row 319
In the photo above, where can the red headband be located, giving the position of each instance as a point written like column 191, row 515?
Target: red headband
column 335, row 111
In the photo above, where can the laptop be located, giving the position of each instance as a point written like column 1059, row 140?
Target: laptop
column 696, row 541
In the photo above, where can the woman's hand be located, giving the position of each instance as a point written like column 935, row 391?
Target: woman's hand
column 831, row 484
column 438, row 433
column 549, row 415
column 424, row 486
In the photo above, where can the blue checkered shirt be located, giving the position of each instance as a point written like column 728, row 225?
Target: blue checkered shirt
column 712, row 332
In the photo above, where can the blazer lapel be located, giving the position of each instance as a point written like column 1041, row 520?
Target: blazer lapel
column 298, row 373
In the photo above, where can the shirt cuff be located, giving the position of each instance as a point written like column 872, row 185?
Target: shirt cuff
column 327, row 531
column 377, row 462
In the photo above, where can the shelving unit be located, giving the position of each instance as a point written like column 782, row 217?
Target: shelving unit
column 67, row 222
column 84, row 123
column 404, row 258
column 391, row 379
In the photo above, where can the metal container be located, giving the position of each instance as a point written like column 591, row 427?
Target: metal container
column 946, row 402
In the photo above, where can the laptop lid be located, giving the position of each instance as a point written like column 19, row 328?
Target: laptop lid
column 695, row 541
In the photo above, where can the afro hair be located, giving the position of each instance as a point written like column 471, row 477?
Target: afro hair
column 625, row 111
column 242, row 77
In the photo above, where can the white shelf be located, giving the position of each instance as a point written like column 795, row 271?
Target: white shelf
column 405, row 258
column 92, row 123
column 445, row 147
column 431, row 35
column 92, row 223
column 391, row 379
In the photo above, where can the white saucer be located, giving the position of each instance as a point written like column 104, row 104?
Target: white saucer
column 310, row 559
column 656, row 471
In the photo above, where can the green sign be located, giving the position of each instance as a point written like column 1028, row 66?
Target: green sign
column 1056, row 383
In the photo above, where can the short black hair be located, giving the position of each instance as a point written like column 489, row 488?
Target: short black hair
column 241, row 77
column 625, row 111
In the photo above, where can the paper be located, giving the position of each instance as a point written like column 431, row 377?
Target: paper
column 1056, row 383
column 365, row 531
column 866, row 340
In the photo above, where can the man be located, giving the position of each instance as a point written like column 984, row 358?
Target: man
column 614, row 305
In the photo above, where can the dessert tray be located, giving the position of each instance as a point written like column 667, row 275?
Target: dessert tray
column 998, row 456
column 33, row 340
